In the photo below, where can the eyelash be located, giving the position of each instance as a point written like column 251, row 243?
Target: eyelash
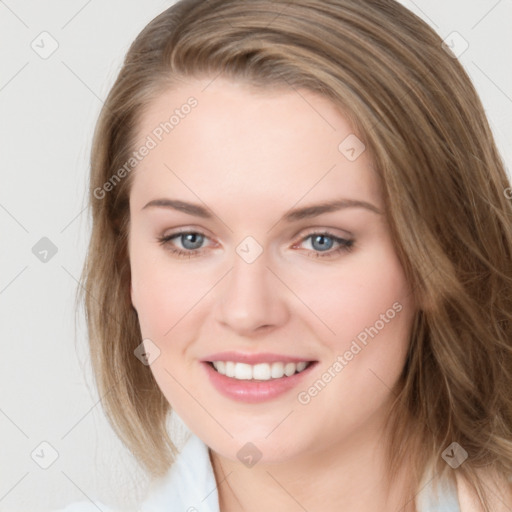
column 346, row 245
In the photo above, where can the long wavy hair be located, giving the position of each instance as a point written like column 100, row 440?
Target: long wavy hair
column 445, row 191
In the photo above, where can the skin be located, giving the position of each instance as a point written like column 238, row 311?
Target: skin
column 250, row 156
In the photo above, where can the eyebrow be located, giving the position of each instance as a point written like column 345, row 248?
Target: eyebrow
column 294, row 215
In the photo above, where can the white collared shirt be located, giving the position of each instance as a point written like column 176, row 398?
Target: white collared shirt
column 190, row 486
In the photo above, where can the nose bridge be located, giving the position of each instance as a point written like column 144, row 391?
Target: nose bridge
column 249, row 277
column 251, row 296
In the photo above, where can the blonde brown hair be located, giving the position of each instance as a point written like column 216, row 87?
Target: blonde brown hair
column 443, row 181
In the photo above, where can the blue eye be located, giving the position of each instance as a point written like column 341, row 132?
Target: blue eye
column 190, row 240
column 321, row 243
column 324, row 241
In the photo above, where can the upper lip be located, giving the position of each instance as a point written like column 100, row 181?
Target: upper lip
column 264, row 357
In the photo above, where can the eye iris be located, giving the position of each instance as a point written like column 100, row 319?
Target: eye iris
column 193, row 238
column 323, row 246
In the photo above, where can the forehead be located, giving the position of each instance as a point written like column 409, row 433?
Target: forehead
column 276, row 145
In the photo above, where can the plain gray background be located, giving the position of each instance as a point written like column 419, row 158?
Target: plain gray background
column 48, row 106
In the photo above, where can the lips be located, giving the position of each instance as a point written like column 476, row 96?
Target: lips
column 244, row 386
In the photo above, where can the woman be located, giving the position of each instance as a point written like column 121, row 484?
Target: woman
column 302, row 245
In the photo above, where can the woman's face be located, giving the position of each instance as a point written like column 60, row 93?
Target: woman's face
column 263, row 272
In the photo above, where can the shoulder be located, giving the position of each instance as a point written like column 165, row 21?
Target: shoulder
column 499, row 489
column 85, row 506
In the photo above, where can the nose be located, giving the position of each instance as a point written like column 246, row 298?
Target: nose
column 251, row 298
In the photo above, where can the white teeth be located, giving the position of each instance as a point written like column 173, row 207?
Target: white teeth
column 261, row 371
column 289, row 369
column 277, row 370
column 243, row 371
column 220, row 366
column 230, row 369
column 301, row 366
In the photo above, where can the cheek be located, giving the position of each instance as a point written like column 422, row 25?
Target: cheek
column 352, row 297
column 369, row 307
column 171, row 299
column 159, row 295
column 372, row 324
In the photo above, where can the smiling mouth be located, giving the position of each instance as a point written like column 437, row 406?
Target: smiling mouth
column 260, row 371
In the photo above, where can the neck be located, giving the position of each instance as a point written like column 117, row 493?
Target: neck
column 348, row 476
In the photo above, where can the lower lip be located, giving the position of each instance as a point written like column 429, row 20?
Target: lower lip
column 254, row 391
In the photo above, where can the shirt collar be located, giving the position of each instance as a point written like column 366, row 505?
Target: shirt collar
column 437, row 494
column 188, row 486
